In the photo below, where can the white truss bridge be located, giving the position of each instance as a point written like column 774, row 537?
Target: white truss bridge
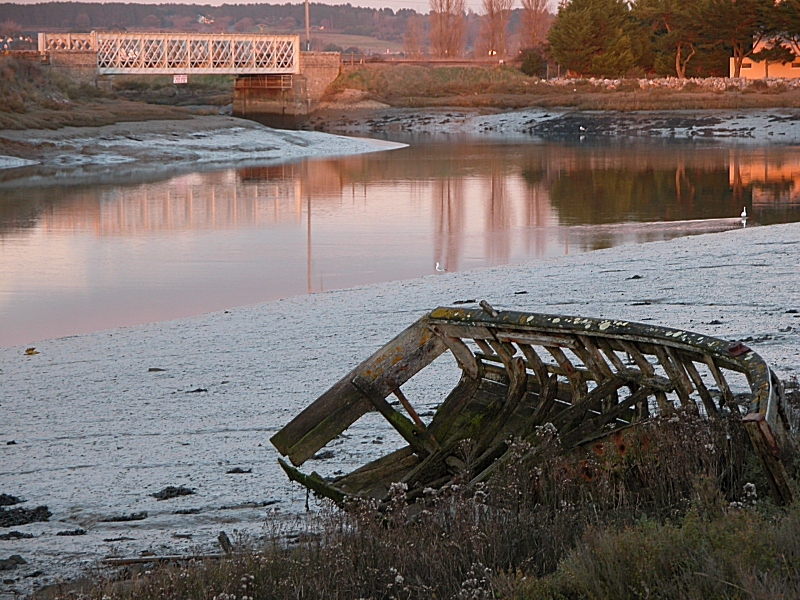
column 181, row 53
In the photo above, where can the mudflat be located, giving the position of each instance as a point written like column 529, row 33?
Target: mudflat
column 94, row 425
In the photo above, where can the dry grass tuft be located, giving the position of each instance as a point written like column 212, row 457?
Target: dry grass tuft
column 505, row 87
column 537, row 529
column 35, row 97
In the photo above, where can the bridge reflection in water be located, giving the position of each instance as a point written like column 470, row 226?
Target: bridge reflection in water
column 102, row 256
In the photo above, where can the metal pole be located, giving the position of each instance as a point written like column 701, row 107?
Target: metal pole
column 308, row 37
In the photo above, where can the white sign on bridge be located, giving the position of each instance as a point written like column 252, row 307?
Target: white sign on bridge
column 176, row 79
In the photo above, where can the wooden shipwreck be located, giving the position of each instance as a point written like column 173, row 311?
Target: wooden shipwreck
column 589, row 377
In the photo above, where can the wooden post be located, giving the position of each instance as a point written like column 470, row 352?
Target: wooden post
column 766, row 448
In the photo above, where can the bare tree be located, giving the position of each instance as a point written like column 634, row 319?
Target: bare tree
column 495, row 20
column 447, row 27
column 412, row 37
column 534, row 23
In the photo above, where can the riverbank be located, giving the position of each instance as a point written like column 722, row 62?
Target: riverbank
column 132, row 151
column 129, row 151
column 95, row 424
column 743, row 126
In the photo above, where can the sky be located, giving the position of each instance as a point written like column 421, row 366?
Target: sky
column 418, row 5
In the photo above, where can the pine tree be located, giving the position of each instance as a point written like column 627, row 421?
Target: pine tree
column 676, row 30
column 596, row 37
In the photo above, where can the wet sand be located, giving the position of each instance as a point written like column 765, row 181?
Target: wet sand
column 101, row 421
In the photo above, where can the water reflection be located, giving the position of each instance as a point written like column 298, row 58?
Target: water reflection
column 85, row 258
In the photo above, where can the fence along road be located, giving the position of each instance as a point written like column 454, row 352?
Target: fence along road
column 179, row 53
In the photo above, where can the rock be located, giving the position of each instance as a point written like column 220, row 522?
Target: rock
column 78, row 531
column 237, row 470
column 15, row 535
column 187, row 511
column 8, row 500
column 140, row 516
column 12, row 562
column 23, row 516
column 323, row 455
column 172, row 492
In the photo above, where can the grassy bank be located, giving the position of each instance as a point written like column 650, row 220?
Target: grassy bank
column 684, row 513
column 36, row 97
column 507, row 87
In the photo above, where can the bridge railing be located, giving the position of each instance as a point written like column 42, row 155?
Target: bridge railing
column 67, row 42
column 190, row 53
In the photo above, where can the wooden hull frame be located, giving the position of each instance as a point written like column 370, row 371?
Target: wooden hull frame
column 521, row 371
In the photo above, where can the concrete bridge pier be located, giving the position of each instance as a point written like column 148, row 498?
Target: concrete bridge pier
column 286, row 101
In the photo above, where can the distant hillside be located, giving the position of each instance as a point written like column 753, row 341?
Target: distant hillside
column 384, row 24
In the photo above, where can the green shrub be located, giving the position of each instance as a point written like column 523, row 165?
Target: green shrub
column 533, row 65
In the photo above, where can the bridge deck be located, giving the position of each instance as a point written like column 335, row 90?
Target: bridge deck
column 178, row 53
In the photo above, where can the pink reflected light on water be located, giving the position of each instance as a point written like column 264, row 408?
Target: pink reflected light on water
column 75, row 260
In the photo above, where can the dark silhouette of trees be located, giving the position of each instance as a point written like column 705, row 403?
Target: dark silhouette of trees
column 675, row 26
column 596, row 37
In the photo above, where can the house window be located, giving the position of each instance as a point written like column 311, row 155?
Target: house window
column 747, row 65
column 796, row 65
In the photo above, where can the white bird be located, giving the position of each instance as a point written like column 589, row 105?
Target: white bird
column 439, row 268
column 744, row 213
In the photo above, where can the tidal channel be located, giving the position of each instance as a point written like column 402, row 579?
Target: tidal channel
column 75, row 259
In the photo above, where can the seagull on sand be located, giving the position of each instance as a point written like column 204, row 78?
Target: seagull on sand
column 439, row 268
column 744, row 212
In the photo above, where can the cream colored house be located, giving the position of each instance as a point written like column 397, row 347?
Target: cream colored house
column 752, row 69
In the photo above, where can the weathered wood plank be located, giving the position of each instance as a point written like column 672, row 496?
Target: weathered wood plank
column 339, row 407
column 416, row 438
column 722, row 384
column 605, row 346
column 766, row 448
column 515, row 367
column 409, row 409
column 677, row 363
column 702, row 390
column 535, row 361
column 547, row 398
column 451, row 408
column 538, row 339
column 463, row 355
column 485, row 347
column 579, row 388
column 572, row 416
column 468, row 332
column 378, row 465
column 591, row 429
column 391, row 468
column 664, row 405
column 596, row 356
column 672, row 373
column 313, row 482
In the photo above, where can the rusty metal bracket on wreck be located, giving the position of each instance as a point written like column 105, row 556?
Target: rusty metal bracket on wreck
column 588, row 377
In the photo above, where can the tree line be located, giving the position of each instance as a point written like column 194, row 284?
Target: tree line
column 383, row 23
column 612, row 38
